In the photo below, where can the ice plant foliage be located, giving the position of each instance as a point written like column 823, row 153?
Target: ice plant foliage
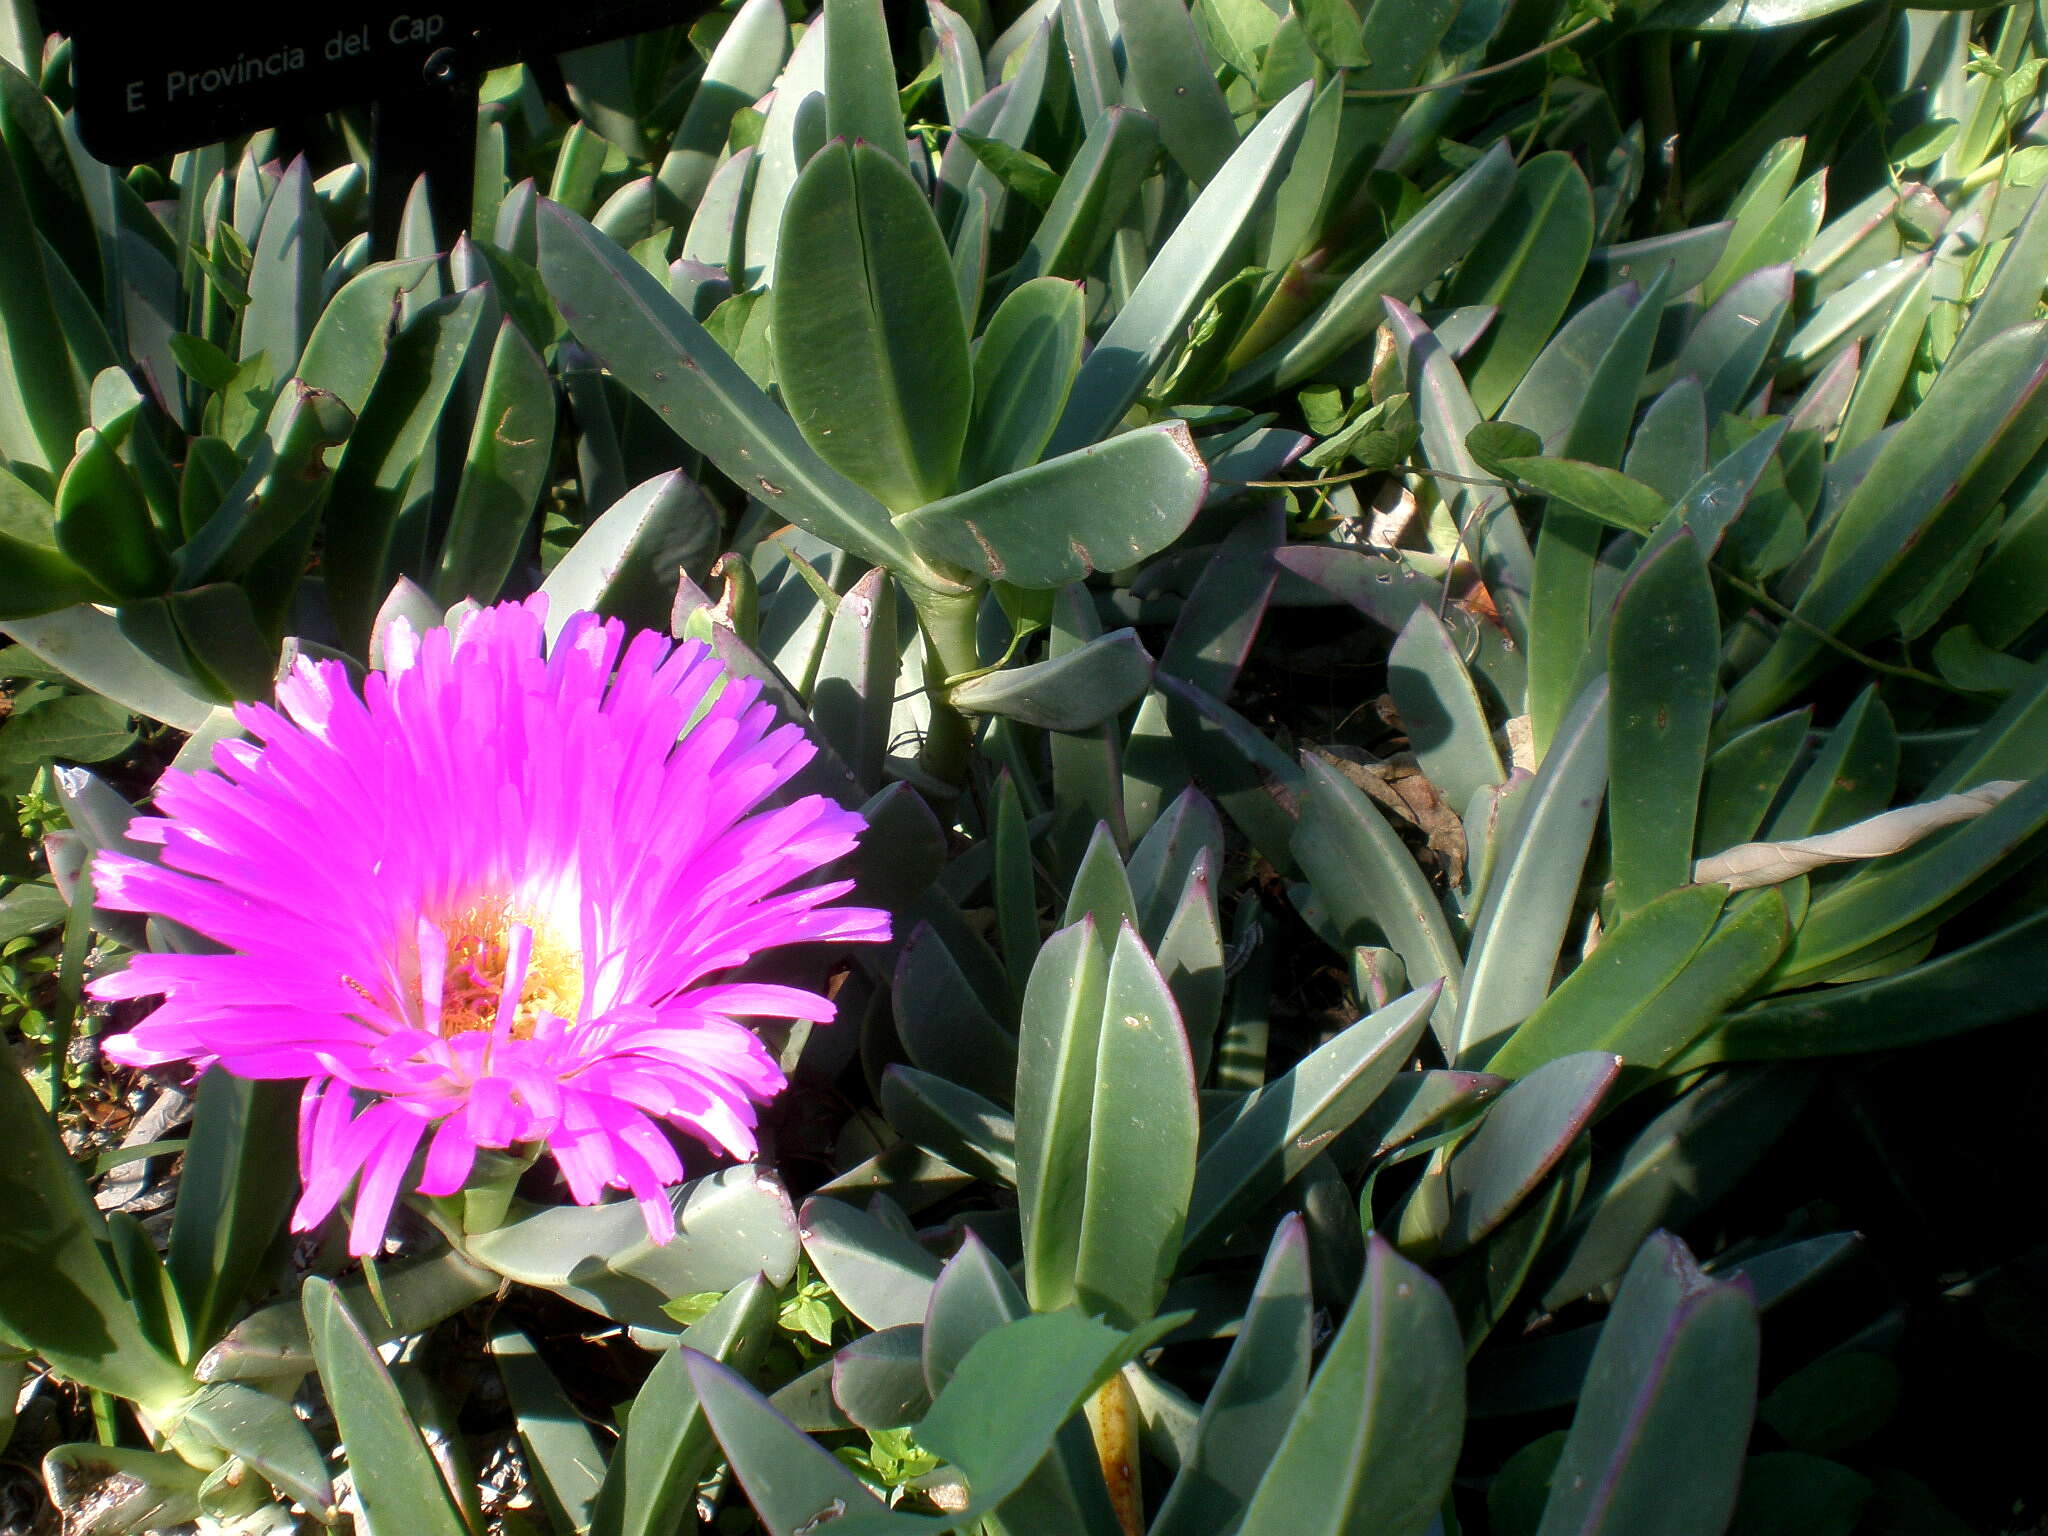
column 490, row 901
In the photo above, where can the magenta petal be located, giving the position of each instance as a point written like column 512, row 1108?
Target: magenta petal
column 382, row 1170
column 450, row 1156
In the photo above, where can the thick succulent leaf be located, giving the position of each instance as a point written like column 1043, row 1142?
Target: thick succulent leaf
column 1024, row 364
column 1775, row 220
column 946, row 1025
column 1520, row 932
column 1382, row 587
column 1274, row 1132
column 1256, row 783
column 1582, row 404
column 1169, row 75
column 1375, row 1441
column 1098, row 82
column 42, row 397
column 2009, row 299
column 794, row 1484
column 36, row 577
column 741, row 69
column 285, row 289
column 1657, row 1444
column 1931, row 484
column 1850, row 777
column 1739, row 15
column 119, row 1488
column 793, row 131
column 1094, row 195
column 1676, row 1167
column 961, row 77
column 878, row 1379
column 855, row 687
column 860, row 78
column 1074, row 692
column 272, row 1344
column 1057, row 1047
column 561, row 1453
column 730, row 1225
column 1655, row 982
column 104, row 524
column 1207, row 647
column 665, row 1444
column 1549, row 1372
column 974, row 1296
column 1367, row 881
column 1583, row 385
column 58, row 1294
column 968, row 175
column 1727, row 348
column 282, row 487
column 972, row 1133
column 1009, row 1394
column 1663, row 654
column 1995, row 979
column 1101, row 508
column 1165, row 858
column 1487, row 522
column 1143, row 1127
column 1440, row 710
column 233, row 1195
column 391, row 435
column 510, row 450
column 618, row 564
column 1527, row 265
column 1524, row 1135
column 870, row 350
column 1191, row 958
column 1256, row 1395
column 406, row 1492
column 1848, row 315
column 884, row 1278
column 264, row 1432
column 1744, row 777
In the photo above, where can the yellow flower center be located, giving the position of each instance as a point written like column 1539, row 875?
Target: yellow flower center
column 479, row 952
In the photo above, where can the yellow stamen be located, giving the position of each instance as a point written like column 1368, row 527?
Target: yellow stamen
column 479, row 941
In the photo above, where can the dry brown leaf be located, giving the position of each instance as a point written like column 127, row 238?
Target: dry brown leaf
column 1399, row 785
column 1748, row 865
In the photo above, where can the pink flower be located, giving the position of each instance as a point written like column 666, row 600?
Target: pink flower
column 488, row 902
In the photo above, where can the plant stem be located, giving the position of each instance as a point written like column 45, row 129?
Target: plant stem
column 950, row 650
column 1771, row 605
column 1450, row 82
